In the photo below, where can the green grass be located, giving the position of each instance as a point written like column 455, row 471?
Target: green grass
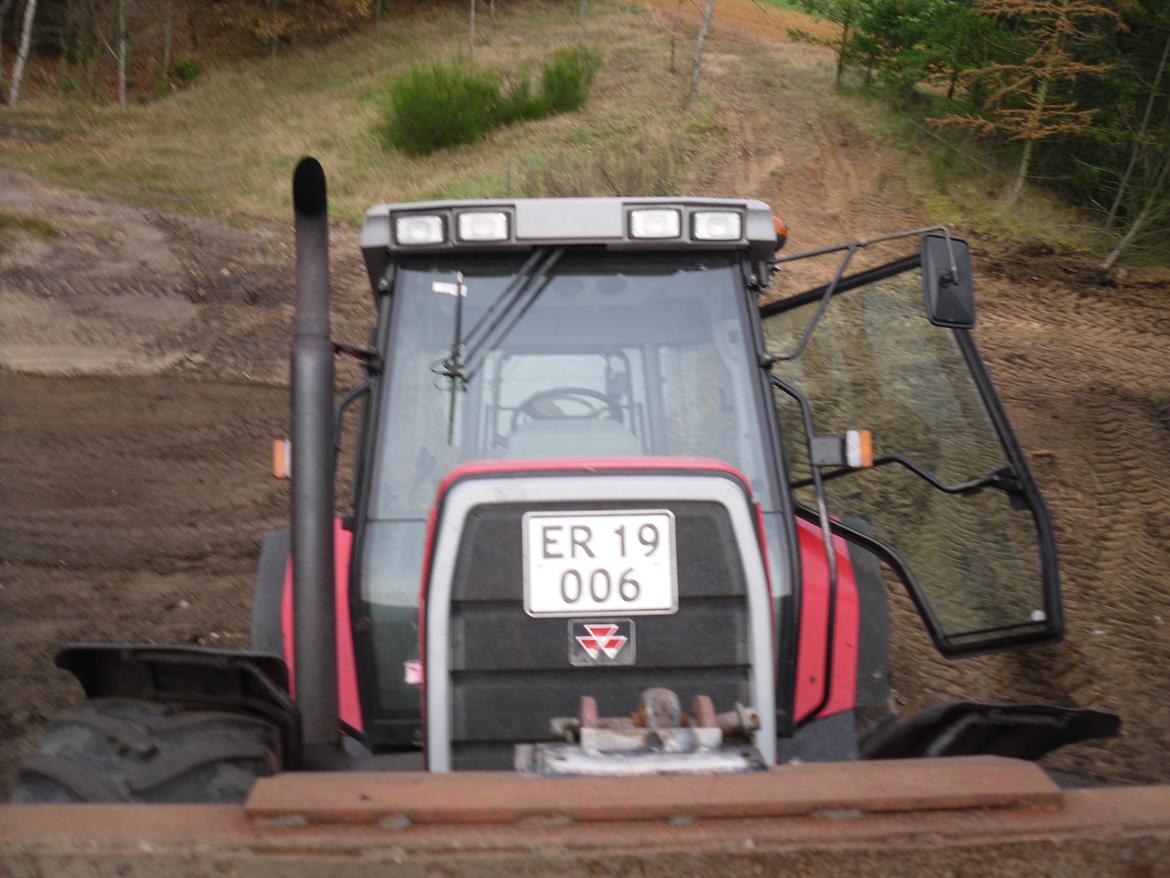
column 227, row 145
column 963, row 180
column 14, row 226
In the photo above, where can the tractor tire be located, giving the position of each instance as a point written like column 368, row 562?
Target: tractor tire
column 124, row 750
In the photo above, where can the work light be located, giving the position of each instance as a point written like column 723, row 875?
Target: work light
column 418, row 229
column 655, row 223
column 483, row 225
column 717, row 225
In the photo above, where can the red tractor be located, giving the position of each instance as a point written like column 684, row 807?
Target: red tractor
column 611, row 515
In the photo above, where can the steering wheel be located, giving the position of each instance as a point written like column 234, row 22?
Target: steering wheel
column 542, row 406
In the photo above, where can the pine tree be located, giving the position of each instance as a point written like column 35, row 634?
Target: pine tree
column 1027, row 102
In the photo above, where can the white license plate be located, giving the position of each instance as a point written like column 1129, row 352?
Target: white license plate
column 599, row 563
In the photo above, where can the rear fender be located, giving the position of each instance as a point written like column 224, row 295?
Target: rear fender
column 191, row 677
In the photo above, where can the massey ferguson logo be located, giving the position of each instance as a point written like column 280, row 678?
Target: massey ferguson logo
column 602, row 638
column 605, row 642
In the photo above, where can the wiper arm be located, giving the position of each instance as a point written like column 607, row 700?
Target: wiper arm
column 1002, row 479
column 524, row 296
column 457, row 366
column 465, row 347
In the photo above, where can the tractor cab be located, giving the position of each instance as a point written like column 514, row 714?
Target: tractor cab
column 600, row 340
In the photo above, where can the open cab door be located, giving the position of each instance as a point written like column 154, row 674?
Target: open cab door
column 946, row 498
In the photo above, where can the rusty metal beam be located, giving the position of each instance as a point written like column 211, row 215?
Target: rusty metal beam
column 1116, row 831
column 893, row 785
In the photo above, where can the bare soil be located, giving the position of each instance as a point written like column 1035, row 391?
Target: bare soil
column 143, row 373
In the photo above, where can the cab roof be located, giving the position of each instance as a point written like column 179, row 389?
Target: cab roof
column 539, row 222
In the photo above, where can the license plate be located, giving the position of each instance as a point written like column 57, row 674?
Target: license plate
column 602, row 563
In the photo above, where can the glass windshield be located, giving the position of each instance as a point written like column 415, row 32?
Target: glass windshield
column 620, row 355
column 875, row 362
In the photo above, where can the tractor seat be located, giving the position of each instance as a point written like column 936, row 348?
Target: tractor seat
column 567, row 437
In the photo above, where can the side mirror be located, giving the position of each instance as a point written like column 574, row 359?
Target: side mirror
column 949, row 288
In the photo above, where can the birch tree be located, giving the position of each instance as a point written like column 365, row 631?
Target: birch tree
column 697, row 62
column 30, row 12
column 120, row 54
column 168, row 35
column 1139, row 138
column 1148, row 202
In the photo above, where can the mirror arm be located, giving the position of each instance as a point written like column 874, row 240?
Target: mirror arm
column 1002, row 479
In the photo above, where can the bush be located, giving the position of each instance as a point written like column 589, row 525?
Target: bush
column 439, row 106
column 186, row 71
column 566, row 80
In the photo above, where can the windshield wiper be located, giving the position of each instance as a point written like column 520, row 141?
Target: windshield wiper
column 524, row 289
column 465, row 348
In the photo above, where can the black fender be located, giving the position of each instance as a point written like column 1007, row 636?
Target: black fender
column 1021, row 731
column 268, row 592
column 191, row 677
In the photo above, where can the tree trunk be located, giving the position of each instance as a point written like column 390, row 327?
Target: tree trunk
column 168, row 36
column 1021, row 174
column 471, row 31
column 273, row 36
column 697, row 63
column 841, row 52
column 30, row 11
column 1154, row 203
column 954, row 82
column 122, row 53
column 1038, row 108
column 674, row 34
column 1137, row 143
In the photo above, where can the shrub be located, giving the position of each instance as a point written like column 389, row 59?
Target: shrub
column 566, row 80
column 517, row 101
column 186, row 71
column 438, row 106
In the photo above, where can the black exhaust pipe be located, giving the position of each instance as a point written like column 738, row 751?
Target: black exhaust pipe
column 314, row 614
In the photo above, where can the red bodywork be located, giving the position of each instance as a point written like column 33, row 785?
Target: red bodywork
column 813, row 605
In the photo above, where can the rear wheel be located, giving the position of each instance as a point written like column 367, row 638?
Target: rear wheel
column 124, row 750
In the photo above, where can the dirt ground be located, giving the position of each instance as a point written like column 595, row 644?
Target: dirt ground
column 143, row 373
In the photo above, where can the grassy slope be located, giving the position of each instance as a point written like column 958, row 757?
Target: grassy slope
column 228, row 145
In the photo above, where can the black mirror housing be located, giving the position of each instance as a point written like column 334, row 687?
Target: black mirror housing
column 949, row 287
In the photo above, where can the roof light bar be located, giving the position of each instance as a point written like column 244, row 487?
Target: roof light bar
column 717, row 225
column 483, row 225
column 419, row 229
column 656, row 223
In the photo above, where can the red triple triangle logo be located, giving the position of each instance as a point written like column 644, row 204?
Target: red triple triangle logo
column 602, row 639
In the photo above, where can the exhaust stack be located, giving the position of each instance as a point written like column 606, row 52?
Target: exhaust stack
column 314, row 621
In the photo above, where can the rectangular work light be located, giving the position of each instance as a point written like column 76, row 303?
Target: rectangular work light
column 717, row 225
column 419, row 229
column 483, row 225
column 655, row 223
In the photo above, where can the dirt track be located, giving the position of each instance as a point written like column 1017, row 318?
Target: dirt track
column 133, row 463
